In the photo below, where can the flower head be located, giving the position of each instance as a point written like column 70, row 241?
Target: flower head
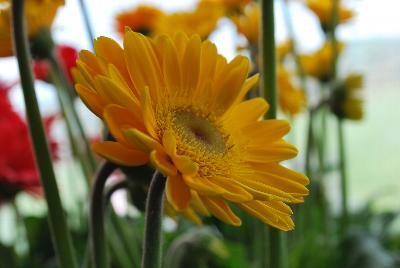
column 39, row 15
column 291, row 99
column 17, row 164
column 141, row 19
column 177, row 104
column 319, row 63
column 232, row 7
column 346, row 100
column 248, row 23
column 323, row 10
column 202, row 21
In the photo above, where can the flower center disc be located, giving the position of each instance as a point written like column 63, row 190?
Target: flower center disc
column 198, row 132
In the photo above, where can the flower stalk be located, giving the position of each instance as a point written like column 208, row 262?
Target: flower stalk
column 57, row 221
column 85, row 15
column 151, row 257
column 97, row 237
column 342, row 154
column 276, row 245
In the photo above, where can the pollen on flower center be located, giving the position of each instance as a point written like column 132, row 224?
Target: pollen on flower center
column 198, row 132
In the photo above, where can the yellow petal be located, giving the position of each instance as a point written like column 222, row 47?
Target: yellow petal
column 265, row 132
column 246, row 112
column 117, row 153
column 103, row 45
column 274, row 152
column 203, row 186
column 119, row 118
column 178, row 193
column 197, row 204
column 142, row 140
column 91, row 99
column 233, row 191
column 268, row 215
column 148, row 112
column 169, row 143
column 163, row 163
column 221, row 210
column 185, row 165
column 191, row 65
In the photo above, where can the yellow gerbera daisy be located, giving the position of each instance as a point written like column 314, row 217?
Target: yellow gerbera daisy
column 346, row 99
column 323, row 10
column 319, row 63
column 141, row 19
column 248, row 23
column 202, row 21
column 177, row 104
column 39, row 15
column 291, row 99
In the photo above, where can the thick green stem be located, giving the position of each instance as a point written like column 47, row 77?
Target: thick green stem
column 268, row 56
column 276, row 245
column 85, row 15
column 151, row 257
column 97, row 238
column 343, row 176
column 58, row 225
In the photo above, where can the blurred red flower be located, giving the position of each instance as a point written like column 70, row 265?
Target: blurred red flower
column 17, row 163
column 67, row 56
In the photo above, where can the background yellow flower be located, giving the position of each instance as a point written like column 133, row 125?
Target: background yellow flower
column 141, row 19
column 39, row 14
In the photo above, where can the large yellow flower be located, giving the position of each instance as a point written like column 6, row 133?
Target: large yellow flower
column 39, row 15
column 177, row 104
column 202, row 21
column 323, row 10
column 319, row 63
column 141, row 19
column 291, row 99
column 231, row 6
column 248, row 23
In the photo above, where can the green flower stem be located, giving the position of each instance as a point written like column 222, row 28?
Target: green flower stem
column 276, row 245
column 342, row 155
column 268, row 56
column 96, row 221
column 71, row 115
column 151, row 257
column 58, row 225
column 85, row 15
column 343, row 176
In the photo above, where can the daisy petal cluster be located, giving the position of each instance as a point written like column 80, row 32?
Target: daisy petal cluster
column 176, row 104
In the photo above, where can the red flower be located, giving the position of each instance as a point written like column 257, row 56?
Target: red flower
column 67, row 56
column 17, row 164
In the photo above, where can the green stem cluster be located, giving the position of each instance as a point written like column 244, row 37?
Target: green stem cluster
column 57, row 221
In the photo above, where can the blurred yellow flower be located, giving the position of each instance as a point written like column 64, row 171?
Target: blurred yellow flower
column 347, row 101
column 323, row 10
column 202, row 21
column 141, row 19
column 283, row 49
column 39, row 15
column 231, row 6
column 319, row 63
column 177, row 104
column 248, row 23
column 291, row 99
